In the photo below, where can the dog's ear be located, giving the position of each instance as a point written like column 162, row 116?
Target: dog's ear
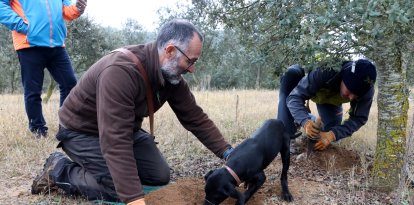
column 208, row 174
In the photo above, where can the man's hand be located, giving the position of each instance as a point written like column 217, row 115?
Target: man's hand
column 326, row 139
column 312, row 128
column 137, row 202
column 81, row 5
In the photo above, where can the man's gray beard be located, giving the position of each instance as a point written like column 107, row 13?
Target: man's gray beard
column 170, row 72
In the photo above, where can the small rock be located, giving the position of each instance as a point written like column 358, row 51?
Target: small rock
column 300, row 157
column 354, row 183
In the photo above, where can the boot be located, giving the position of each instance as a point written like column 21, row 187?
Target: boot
column 43, row 183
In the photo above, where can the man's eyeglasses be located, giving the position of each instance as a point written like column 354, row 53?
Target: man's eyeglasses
column 190, row 61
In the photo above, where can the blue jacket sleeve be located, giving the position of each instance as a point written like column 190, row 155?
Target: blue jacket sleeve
column 70, row 11
column 67, row 2
column 10, row 19
column 358, row 116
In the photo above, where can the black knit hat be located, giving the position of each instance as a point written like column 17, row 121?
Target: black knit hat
column 359, row 76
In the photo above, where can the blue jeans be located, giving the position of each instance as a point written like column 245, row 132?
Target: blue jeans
column 331, row 115
column 33, row 61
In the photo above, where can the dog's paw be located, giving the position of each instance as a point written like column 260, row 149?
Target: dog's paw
column 287, row 197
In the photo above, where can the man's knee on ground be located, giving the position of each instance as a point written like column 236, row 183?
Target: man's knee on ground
column 159, row 180
column 163, row 177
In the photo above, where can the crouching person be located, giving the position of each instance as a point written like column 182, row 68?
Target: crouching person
column 111, row 157
column 353, row 83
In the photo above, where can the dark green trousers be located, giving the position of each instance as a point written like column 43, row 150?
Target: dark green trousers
column 87, row 173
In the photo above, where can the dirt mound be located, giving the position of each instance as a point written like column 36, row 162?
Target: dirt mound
column 311, row 181
column 180, row 192
column 190, row 191
column 337, row 158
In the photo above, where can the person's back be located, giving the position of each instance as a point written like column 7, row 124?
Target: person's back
column 84, row 118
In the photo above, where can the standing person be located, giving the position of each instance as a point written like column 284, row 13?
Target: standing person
column 329, row 89
column 39, row 32
column 111, row 156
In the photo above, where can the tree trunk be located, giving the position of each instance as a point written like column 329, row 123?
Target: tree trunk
column 50, row 89
column 13, row 81
column 392, row 118
column 257, row 86
column 407, row 172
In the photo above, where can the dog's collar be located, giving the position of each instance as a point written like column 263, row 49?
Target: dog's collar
column 238, row 181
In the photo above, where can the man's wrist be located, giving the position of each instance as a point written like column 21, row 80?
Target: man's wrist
column 23, row 28
column 303, row 122
column 227, row 153
column 332, row 136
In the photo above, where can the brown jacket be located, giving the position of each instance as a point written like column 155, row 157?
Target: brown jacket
column 109, row 101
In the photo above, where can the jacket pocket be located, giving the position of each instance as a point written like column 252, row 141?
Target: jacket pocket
column 20, row 40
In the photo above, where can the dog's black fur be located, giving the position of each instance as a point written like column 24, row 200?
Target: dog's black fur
column 248, row 160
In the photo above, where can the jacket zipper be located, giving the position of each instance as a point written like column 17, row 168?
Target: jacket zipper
column 50, row 22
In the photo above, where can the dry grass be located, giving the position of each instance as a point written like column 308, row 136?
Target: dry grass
column 237, row 113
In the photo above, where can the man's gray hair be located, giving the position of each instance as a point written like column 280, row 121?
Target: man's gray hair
column 177, row 31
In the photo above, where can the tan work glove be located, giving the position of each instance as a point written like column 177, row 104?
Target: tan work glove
column 137, row 202
column 312, row 128
column 325, row 140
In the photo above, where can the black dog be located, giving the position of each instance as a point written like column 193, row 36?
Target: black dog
column 247, row 162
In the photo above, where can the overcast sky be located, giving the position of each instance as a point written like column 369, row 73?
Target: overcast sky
column 115, row 12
